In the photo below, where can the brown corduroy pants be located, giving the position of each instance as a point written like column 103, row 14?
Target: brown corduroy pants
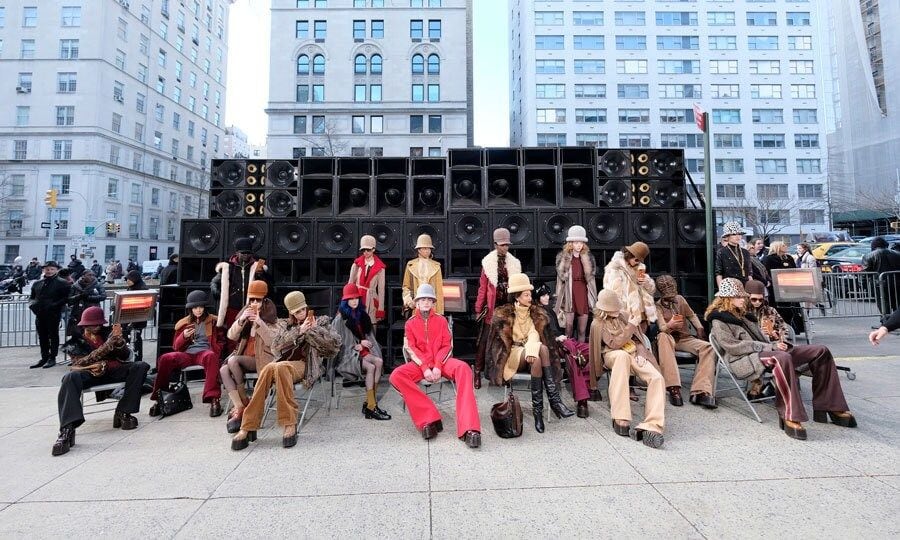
column 282, row 375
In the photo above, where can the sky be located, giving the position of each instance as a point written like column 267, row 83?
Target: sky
column 248, row 53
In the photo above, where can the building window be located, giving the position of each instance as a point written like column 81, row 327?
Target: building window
column 299, row 124
column 590, row 116
column 681, row 140
column 800, row 43
column 112, row 188
column 418, row 92
column 318, row 124
column 768, row 116
column 359, row 92
column 61, row 182
column 376, row 124
column 551, row 116
column 26, row 50
column 549, row 91
column 768, row 140
column 726, row 116
column 591, row 139
column 358, row 124
column 730, row 165
column 17, row 185
column 634, row 116
column 806, row 140
column 803, row 91
column 22, row 115
column 765, row 91
column 630, row 18
column 550, row 18
column 434, row 92
column 590, row 90
column 416, row 29
column 594, row 43
column 359, row 64
column 631, row 43
column 376, row 64
column 65, row 115
column 71, row 16
column 545, row 43
column 29, row 17
column 548, row 67
column 809, row 191
column 798, row 18
column 674, row 91
column 720, row 18
column 631, row 67
column 771, row 166
column 416, row 123
column 435, row 123
column 24, row 82
column 301, row 29
column 728, row 140
column 20, row 149
column 765, row 67
column 676, row 18
column 721, row 43
column 585, row 66
column 434, row 29
column 584, row 18
column 359, row 30
column 318, row 92
column 801, row 67
column 761, row 18
column 809, row 166
column 68, row 49
column 678, row 67
column 676, row 116
column 377, row 29
column 114, row 154
column 551, row 139
column 302, row 93
column 723, row 67
column 318, row 64
column 319, row 29
column 434, row 64
column 634, row 140
column 730, row 191
column 806, row 116
column 418, row 64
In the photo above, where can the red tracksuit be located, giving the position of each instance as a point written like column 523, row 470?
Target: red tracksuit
column 429, row 344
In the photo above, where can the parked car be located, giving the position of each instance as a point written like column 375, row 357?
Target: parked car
column 826, row 249
column 848, row 259
column 827, row 236
column 888, row 237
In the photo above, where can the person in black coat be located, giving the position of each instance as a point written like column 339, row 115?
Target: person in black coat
column 778, row 259
column 33, row 270
column 881, row 260
column 97, row 269
column 169, row 274
column 48, row 298
column 76, row 267
column 86, row 292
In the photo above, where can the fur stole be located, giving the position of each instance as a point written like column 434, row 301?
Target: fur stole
column 490, row 264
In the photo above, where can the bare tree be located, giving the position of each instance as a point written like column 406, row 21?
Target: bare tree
column 767, row 216
column 327, row 137
column 884, row 199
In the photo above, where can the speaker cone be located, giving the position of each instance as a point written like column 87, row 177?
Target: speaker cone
column 605, row 228
column 615, row 193
column 665, row 164
column 203, row 237
column 556, row 226
column 322, row 197
column 279, row 203
column 385, row 237
column 337, row 238
column 649, row 228
column 230, row 174
column 229, row 203
column 280, row 173
column 291, row 237
column 615, row 163
column 465, row 188
column 665, row 194
column 499, row 187
column 469, row 230
column 394, row 197
column 519, row 228
column 572, row 186
column 429, row 197
column 691, row 228
column 251, row 231
column 358, row 197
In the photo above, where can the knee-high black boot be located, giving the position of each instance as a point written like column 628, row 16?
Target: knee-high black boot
column 556, row 405
column 537, row 403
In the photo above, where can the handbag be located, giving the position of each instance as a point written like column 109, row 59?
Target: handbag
column 507, row 417
column 174, row 400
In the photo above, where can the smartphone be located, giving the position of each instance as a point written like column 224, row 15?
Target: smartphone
column 311, row 316
column 641, row 271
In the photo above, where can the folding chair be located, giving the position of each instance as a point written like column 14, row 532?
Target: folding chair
column 182, row 377
column 108, row 387
column 441, row 383
column 316, row 387
column 722, row 364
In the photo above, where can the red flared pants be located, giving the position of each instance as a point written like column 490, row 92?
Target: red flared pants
column 422, row 410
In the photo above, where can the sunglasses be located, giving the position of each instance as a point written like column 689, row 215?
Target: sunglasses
column 756, row 300
column 367, row 249
column 256, row 300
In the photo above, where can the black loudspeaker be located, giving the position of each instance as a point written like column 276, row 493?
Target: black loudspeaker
column 469, row 230
column 466, row 187
column 282, row 174
column 428, row 195
column 502, row 186
column 280, row 203
column 653, row 227
column 540, row 156
column 391, row 195
column 255, row 230
column 354, row 196
column 466, row 157
column 227, row 173
column 356, row 166
column 555, row 225
column 336, row 238
column 201, row 238
column 614, row 163
column 614, row 192
column 232, row 203
column 435, row 229
column 388, row 236
column 321, row 166
column 577, row 155
column 520, row 224
column 651, row 193
column 540, row 186
column 658, row 163
column 317, row 196
column 291, row 238
column 578, row 186
column 690, row 227
column 605, row 228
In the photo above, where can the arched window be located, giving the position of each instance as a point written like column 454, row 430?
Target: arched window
column 375, row 64
column 319, row 64
column 302, row 65
column 418, row 64
column 359, row 64
column 434, row 63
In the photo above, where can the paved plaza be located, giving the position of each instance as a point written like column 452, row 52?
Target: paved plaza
column 720, row 473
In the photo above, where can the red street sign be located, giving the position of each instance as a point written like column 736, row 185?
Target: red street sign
column 698, row 117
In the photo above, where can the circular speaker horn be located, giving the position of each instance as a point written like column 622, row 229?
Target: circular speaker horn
column 280, row 174
column 203, row 237
column 357, row 197
column 252, row 168
column 465, row 188
column 519, row 228
column 385, row 238
column 250, row 197
column 291, row 237
column 279, row 203
column 649, row 228
column 229, row 203
column 251, row 180
column 322, row 197
column 556, row 226
column 643, row 158
column 337, row 238
column 615, row 193
column 499, row 187
column 230, row 174
column 429, row 197
column 665, row 194
column 691, row 228
column 469, row 230
column 665, row 164
column 394, row 197
column 616, row 163
column 605, row 228
column 535, row 187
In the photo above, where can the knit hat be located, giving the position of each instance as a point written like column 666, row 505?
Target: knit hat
column 542, row 290
column 243, row 245
column 294, row 301
column 134, row 276
column 639, row 250
column 666, row 286
column 519, row 283
column 257, row 289
column 424, row 241
column 92, row 316
column 350, row 291
column 425, row 291
column 732, row 227
column 367, row 242
column 196, row 299
column 755, row 287
column 608, row 300
column 502, row 237
column 731, row 288
column 576, row 233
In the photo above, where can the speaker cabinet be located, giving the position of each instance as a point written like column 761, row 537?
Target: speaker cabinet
column 388, row 236
column 281, row 203
column 502, row 156
column 469, row 230
column 539, row 156
column 233, row 203
column 690, row 226
column 578, row 183
column 540, row 186
column 201, row 238
column 690, row 260
column 391, row 195
column 336, row 238
column 282, row 174
column 466, row 157
column 354, row 166
column 256, row 230
column 435, row 228
column 428, row 166
column 317, row 196
column 292, row 238
column 503, row 186
column 650, row 193
column 466, row 262
column 227, row 173
column 614, row 163
column 354, row 196
column 605, row 228
column 466, row 187
column 395, row 166
column 555, row 226
column 427, row 195
column 577, row 155
column 321, row 166
column 520, row 224
column 658, row 163
column 649, row 226
column 614, row 192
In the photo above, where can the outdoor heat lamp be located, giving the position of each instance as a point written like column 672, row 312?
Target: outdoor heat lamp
column 797, row 285
column 135, row 306
column 454, row 295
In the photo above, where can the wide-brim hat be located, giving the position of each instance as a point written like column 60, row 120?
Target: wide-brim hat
column 519, row 283
column 639, row 250
column 196, row 299
column 54, row 264
column 257, row 289
column 732, row 227
column 367, row 242
column 425, row 290
column 294, row 301
column 350, row 291
column 608, row 300
column 92, row 316
column 731, row 288
column 576, row 233
column 424, row 241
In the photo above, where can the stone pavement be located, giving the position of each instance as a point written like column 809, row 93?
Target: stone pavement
column 719, row 474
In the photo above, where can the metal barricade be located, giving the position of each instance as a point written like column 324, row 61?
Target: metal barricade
column 889, row 300
column 849, row 294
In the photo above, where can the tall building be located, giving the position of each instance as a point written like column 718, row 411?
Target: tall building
column 369, row 77
column 627, row 74
column 864, row 140
column 118, row 106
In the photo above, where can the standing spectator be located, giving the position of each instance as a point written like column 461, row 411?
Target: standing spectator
column 86, row 292
column 881, row 260
column 757, row 268
column 111, row 271
column 805, row 258
column 169, row 274
column 119, row 271
column 733, row 261
column 759, row 246
column 134, row 282
column 778, row 259
column 48, row 297
column 33, row 270
column 97, row 269
column 133, row 266
column 76, row 267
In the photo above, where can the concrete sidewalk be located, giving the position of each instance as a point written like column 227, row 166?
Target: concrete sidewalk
column 720, row 473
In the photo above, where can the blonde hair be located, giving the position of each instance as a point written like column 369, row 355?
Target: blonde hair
column 568, row 248
column 775, row 247
column 724, row 304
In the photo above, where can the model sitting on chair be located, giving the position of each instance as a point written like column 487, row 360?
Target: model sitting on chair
column 196, row 344
column 772, row 326
column 252, row 352
column 99, row 356
column 359, row 350
column 298, row 343
column 749, row 352
column 429, row 346
column 519, row 345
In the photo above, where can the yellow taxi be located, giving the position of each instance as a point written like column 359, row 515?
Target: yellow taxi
column 823, row 250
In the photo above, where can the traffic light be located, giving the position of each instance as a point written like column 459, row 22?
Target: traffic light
column 118, row 228
column 50, row 198
column 110, row 227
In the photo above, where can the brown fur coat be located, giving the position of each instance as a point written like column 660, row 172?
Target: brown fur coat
column 500, row 340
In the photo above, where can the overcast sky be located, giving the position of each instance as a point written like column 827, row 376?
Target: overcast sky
column 248, row 70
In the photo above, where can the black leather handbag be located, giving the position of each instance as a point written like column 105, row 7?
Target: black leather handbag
column 507, row 417
column 174, row 400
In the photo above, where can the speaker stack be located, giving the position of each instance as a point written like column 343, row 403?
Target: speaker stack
column 306, row 217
